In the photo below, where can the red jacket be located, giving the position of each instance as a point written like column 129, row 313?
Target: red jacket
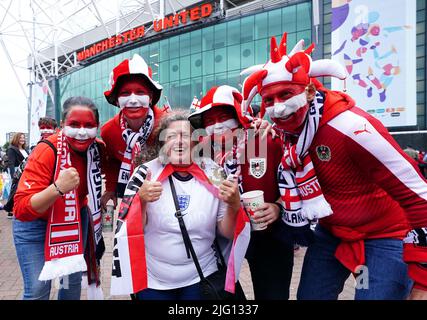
column 38, row 175
column 374, row 188
column 111, row 134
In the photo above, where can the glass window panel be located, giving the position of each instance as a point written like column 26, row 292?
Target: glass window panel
column 154, row 52
column 247, row 29
column 291, row 41
column 174, row 45
column 196, row 65
column 185, row 67
column 247, row 55
column 184, row 44
column 220, row 32
column 174, row 95
column 275, row 22
column 196, row 41
column 208, row 62
column 220, row 58
column 220, row 79
column 165, row 94
column 144, row 52
column 233, row 58
column 164, row 50
column 233, row 79
column 304, row 16
column 197, row 88
column 261, row 50
column 289, row 19
column 261, row 27
column 207, row 38
column 174, row 70
column 306, row 35
column 233, row 32
column 185, row 94
column 208, row 82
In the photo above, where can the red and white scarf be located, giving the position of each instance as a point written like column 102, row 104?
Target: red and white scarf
column 231, row 162
column 129, row 273
column 134, row 142
column 64, row 243
column 300, row 190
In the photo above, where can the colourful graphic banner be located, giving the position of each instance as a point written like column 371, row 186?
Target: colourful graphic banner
column 376, row 42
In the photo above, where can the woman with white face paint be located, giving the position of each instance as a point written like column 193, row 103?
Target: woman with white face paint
column 57, row 206
column 128, row 135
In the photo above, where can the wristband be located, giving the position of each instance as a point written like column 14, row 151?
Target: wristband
column 281, row 209
column 57, row 189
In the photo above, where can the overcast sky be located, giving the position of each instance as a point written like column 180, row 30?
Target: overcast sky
column 13, row 103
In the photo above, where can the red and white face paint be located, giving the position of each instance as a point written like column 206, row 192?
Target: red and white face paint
column 46, row 131
column 134, row 99
column 286, row 105
column 218, row 120
column 80, row 128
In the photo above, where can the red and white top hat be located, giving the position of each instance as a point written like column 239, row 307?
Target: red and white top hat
column 221, row 96
column 136, row 66
column 297, row 67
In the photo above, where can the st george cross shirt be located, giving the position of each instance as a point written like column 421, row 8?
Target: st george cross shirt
column 168, row 265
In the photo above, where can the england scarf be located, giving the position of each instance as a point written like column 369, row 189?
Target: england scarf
column 134, row 142
column 64, row 243
column 301, row 194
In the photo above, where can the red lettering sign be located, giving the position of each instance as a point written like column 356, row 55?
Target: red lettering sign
column 171, row 21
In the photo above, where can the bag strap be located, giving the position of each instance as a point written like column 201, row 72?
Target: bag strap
column 50, row 144
column 184, row 232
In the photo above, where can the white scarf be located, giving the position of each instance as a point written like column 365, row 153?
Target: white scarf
column 134, row 142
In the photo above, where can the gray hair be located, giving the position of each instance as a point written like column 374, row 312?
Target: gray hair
column 165, row 122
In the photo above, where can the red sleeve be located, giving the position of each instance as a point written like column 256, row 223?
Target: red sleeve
column 36, row 177
column 379, row 156
column 111, row 165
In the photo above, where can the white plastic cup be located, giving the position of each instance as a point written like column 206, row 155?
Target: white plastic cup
column 108, row 218
column 252, row 200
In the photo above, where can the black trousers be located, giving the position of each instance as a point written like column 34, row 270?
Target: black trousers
column 271, row 262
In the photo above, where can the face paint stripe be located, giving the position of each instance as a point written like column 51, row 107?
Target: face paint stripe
column 81, row 133
column 224, row 125
column 134, row 101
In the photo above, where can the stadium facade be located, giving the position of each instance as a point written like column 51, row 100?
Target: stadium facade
column 207, row 43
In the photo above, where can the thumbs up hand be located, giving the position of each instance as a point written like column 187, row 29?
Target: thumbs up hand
column 150, row 191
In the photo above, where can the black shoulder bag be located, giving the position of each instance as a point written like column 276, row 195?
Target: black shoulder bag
column 212, row 286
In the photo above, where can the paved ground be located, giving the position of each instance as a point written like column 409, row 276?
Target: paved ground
column 11, row 287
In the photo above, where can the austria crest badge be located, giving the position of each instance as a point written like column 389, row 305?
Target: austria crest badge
column 323, row 153
column 257, row 167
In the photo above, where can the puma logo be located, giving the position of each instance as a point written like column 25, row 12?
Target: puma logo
column 361, row 131
column 28, row 184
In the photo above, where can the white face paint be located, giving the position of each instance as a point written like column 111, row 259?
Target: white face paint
column 47, row 131
column 283, row 110
column 134, row 101
column 220, row 127
column 80, row 133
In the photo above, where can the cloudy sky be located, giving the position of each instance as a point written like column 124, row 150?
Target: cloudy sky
column 13, row 103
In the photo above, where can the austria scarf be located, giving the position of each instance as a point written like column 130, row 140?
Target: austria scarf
column 134, row 142
column 301, row 194
column 64, row 253
column 129, row 273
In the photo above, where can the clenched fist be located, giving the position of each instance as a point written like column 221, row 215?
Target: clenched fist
column 150, row 191
column 229, row 193
column 68, row 179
